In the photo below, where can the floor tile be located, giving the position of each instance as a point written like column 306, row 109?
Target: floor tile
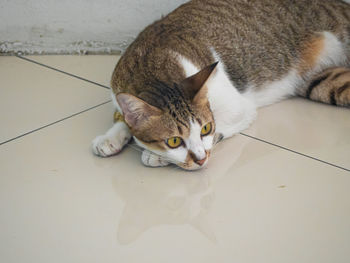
column 97, row 68
column 33, row 96
column 315, row 129
column 253, row 203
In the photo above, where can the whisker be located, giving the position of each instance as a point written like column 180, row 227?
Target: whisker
column 176, row 168
column 135, row 148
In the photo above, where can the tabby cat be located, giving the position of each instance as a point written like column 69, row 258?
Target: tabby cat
column 198, row 75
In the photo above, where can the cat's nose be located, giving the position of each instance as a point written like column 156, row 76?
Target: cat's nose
column 201, row 162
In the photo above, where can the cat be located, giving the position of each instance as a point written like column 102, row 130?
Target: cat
column 198, row 75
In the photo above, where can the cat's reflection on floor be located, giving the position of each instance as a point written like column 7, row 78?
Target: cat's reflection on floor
column 170, row 196
column 152, row 201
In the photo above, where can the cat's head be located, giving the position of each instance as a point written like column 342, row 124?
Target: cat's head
column 182, row 131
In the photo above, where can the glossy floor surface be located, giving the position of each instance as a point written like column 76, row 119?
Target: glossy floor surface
column 279, row 192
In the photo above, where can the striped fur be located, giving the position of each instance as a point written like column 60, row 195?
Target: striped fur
column 331, row 86
column 267, row 51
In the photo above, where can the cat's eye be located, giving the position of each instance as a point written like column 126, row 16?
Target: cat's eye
column 206, row 129
column 174, row 142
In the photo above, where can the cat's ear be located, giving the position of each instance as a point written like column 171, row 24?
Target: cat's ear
column 195, row 84
column 136, row 112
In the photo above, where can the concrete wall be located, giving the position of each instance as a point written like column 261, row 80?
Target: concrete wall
column 76, row 26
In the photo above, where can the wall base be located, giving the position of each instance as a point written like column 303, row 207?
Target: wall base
column 79, row 47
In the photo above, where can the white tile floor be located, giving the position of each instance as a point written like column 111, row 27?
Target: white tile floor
column 255, row 202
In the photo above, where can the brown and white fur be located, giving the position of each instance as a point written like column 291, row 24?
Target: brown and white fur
column 168, row 84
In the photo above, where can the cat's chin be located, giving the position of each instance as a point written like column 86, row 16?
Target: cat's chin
column 192, row 167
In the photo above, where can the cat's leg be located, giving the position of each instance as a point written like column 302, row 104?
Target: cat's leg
column 331, row 86
column 113, row 141
column 152, row 160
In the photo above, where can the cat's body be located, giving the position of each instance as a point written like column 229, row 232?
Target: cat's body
column 267, row 51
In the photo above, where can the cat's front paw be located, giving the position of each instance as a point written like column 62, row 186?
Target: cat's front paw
column 113, row 141
column 152, row 160
column 104, row 146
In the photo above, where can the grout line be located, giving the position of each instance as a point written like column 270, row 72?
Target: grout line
column 55, row 122
column 305, row 155
column 61, row 71
column 103, row 86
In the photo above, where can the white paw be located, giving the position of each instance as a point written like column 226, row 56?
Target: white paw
column 104, row 146
column 153, row 160
column 112, row 142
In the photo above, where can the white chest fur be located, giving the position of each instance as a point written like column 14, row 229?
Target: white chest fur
column 232, row 111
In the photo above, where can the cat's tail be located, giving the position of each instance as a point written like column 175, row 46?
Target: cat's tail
column 331, row 86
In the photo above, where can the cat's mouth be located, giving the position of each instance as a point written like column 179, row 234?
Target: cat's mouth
column 192, row 167
column 193, row 164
